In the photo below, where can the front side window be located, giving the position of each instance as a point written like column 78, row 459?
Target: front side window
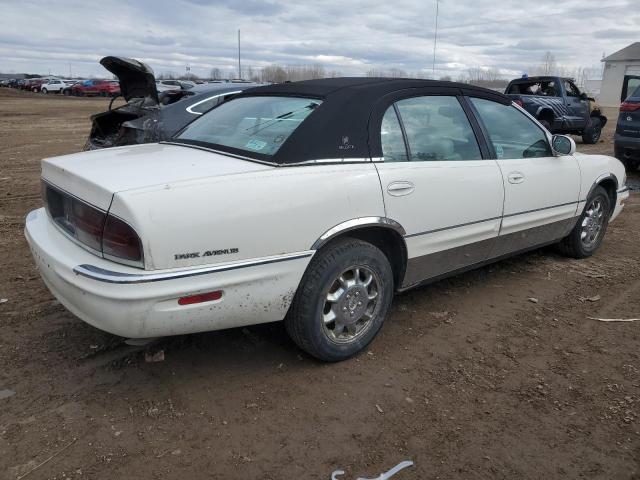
column 572, row 90
column 257, row 125
column 511, row 132
column 437, row 129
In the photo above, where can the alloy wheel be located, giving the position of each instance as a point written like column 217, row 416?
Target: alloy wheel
column 592, row 223
column 351, row 304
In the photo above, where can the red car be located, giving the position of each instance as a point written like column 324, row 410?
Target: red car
column 35, row 84
column 31, row 83
column 104, row 88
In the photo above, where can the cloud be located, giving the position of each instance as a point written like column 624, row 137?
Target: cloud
column 349, row 36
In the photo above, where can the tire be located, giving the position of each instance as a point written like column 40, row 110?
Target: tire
column 34, row 90
column 44, row 90
column 66, row 93
column 592, row 133
column 593, row 223
column 630, row 165
column 346, row 270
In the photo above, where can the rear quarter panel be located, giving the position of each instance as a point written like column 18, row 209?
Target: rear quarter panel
column 247, row 215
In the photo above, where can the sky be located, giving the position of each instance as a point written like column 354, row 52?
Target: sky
column 351, row 37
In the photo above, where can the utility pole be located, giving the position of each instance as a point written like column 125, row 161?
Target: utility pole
column 435, row 41
column 239, row 64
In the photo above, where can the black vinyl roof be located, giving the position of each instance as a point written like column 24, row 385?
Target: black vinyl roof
column 347, row 123
column 325, row 87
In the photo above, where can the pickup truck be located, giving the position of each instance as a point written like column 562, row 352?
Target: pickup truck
column 559, row 106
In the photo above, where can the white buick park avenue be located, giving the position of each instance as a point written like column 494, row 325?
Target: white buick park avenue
column 312, row 202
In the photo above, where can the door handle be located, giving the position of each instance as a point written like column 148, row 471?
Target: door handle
column 516, row 177
column 398, row 189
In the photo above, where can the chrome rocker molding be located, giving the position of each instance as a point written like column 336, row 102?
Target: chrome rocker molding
column 108, row 276
column 358, row 223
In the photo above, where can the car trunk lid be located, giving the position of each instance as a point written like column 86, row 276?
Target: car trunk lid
column 629, row 118
column 136, row 78
column 95, row 176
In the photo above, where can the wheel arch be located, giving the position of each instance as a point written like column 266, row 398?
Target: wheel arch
column 609, row 182
column 545, row 113
column 384, row 233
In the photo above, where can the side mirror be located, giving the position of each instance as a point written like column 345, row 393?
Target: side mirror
column 563, row 145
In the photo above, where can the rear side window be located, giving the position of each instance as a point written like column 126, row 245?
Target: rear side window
column 393, row 147
column 511, row 132
column 204, row 106
column 437, row 129
column 254, row 124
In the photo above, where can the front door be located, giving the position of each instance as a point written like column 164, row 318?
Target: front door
column 541, row 190
column 577, row 106
column 436, row 183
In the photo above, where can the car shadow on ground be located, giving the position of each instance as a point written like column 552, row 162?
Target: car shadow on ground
column 250, row 346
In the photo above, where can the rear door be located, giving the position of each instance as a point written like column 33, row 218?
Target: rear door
column 541, row 190
column 438, row 185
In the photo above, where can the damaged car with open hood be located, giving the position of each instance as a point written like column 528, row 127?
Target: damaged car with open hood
column 151, row 116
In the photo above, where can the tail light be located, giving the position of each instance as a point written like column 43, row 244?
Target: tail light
column 121, row 242
column 101, row 233
column 629, row 107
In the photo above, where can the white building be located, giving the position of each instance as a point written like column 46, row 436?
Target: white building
column 621, row 75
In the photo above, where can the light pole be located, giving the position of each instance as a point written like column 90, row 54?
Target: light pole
column 239, row 65
column 435, row 41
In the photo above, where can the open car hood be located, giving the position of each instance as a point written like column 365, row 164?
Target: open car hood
column 136, row 78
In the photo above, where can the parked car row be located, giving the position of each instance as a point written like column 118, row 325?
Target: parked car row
column 75, row 87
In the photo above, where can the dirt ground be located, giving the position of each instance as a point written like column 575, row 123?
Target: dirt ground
column 470, row 378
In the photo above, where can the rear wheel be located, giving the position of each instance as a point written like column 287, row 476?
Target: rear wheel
column 592, row 133
column 586, row 237
column 630, row 164
column 44, row 90
column 342, row 300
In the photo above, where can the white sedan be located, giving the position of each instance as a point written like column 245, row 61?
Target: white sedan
column 312, row 202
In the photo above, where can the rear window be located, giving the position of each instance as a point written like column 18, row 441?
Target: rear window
column 545, row 88
column 259, row 125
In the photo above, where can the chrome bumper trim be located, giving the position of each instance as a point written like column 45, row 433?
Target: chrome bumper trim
column 109, row 276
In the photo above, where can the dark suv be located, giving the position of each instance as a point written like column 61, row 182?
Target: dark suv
column 627, row 138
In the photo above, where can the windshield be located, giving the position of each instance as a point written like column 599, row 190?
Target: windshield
column 253, row 124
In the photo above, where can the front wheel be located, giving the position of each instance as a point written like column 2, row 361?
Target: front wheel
column 44, row 90
column 342, row 300
column 586, row 237
column 592, row 133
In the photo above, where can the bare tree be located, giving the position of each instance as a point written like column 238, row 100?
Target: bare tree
column 549, row 65
column 215, row 74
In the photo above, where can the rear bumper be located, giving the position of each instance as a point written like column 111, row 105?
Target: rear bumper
column 135, row 303
column 626, row 147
